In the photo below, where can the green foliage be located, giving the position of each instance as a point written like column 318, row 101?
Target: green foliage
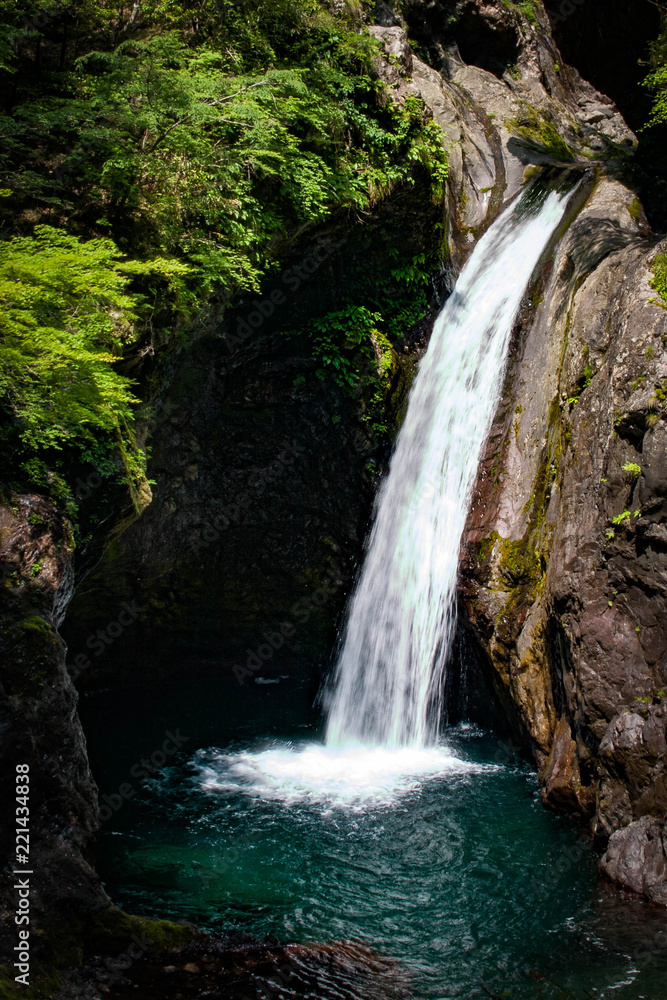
column 657, row 79
column 175, row 146
column 356, row 342
column 523, row 7
column 584, row 381
column 66, row 316
column 635, row 209
column 335, row 336
column 348, row 344
column 197, row 141
column 64, row 313
column 621, row 518
column 528, row 10
column 660, row 395
column 633, row 470
column 539, row 135
column 659, row 279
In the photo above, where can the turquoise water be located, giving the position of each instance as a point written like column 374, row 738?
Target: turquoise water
column 459, row 875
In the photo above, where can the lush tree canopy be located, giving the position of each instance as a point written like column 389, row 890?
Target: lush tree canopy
column 160, row 152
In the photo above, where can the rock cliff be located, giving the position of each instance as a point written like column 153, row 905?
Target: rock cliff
column 563, row 578
column 40, row 729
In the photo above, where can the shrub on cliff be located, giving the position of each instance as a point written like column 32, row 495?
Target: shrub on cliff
column 657, row 79
column 65, row 316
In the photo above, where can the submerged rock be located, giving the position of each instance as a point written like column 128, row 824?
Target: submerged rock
column 218, row 967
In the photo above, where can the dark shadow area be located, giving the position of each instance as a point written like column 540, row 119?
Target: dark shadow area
column 608, row 42
column 481, row 46
column 594, row 240
column 471, row 694
column 438, row 26
column 265, row 467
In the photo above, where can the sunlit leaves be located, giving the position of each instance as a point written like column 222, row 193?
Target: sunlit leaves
column 65, row 315
column 657, row 79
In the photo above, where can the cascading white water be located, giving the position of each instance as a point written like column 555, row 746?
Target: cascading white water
column 387, row 686
column 384, row 705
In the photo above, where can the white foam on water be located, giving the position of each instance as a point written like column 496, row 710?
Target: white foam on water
column 352, row 776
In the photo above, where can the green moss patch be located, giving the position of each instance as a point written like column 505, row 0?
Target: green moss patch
column 539, row 135
column 659, row 280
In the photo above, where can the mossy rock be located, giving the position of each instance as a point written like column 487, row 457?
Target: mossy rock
column 116, row 931
column 115, row 934
column 35, row 647
column 537, row 135
column 519, row 564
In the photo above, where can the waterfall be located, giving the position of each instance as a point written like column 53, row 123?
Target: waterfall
column 387, row 685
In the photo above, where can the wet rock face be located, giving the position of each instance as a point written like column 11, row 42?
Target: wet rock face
column 637, row 858
column 39, row 728
column 565, row 567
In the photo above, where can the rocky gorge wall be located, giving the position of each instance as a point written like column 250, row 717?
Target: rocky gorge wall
column 563, row 577
column 265, row 475
column 564, row 560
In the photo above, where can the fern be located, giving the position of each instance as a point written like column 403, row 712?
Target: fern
column 66, row 317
